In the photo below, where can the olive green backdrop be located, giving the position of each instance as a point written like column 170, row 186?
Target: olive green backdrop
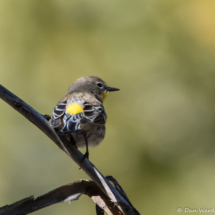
column 160, row 140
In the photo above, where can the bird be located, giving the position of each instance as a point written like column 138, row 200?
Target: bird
column 80, row 115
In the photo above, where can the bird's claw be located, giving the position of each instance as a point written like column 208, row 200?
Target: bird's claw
column 86, row 155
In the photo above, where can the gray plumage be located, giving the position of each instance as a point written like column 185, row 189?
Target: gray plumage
column 81, row 112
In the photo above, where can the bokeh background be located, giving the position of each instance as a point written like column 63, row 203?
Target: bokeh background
column 160, row 141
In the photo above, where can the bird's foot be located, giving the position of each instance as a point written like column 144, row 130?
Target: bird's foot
column 47, row 117
column 86, row 155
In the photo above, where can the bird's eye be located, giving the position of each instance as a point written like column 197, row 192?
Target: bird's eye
column 99, row 85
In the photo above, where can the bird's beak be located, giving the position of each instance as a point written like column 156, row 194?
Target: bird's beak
column 111, row 89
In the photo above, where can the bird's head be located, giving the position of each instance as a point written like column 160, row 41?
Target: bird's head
column 96, row 86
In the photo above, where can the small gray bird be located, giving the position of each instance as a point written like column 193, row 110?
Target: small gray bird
column 80, row 115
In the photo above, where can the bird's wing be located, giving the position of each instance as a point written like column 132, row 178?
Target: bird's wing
column 77, row 114
column 93, row 114
column 58, row 112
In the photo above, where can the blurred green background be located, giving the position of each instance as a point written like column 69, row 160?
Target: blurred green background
column 160, row 140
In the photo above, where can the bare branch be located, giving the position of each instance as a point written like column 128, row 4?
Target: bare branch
column 40, row 121
column 69, row 192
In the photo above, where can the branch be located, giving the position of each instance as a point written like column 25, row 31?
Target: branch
column 39, row 120
column 69, row 192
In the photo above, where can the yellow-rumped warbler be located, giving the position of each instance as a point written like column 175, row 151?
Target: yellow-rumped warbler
column 80, row 115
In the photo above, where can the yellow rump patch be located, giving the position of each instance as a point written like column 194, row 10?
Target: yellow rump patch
column 74, row 108
column 105, row 94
